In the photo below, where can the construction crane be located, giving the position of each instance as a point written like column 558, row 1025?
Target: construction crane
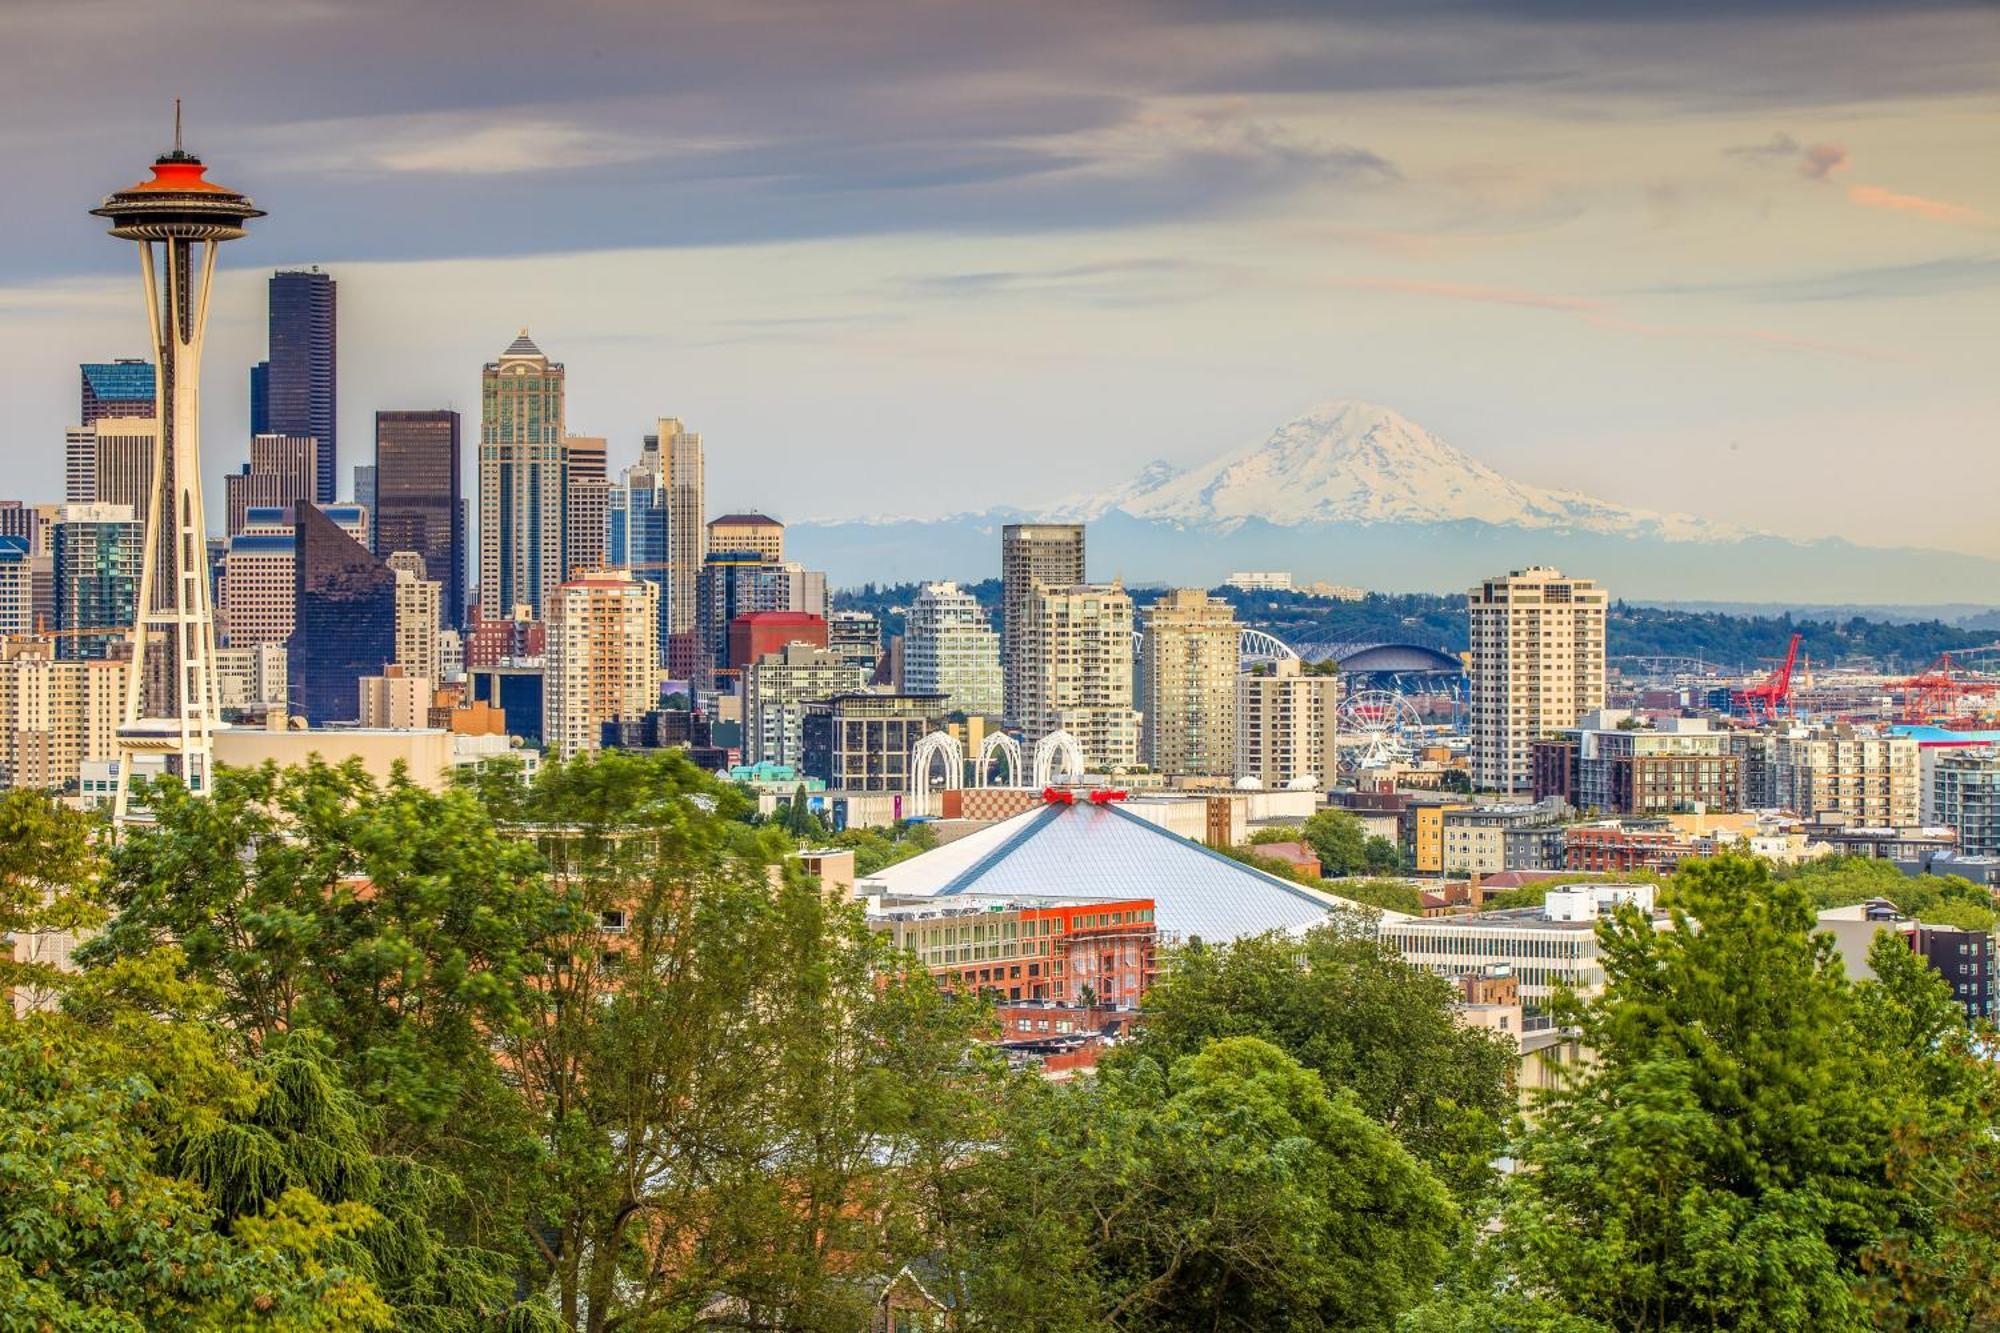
column 1773, row 695
column 1937, row 691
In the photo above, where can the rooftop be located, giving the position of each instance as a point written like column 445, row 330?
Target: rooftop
column 1092, row 852
column 744, row 520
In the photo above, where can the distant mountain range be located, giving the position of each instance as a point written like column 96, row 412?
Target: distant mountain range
column 1355, row 493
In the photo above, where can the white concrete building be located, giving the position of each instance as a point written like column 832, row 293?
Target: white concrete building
column 950, row 649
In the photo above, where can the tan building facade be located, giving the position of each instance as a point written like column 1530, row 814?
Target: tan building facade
column 687, row 538
column 1287, row 724
column 1076, row 659
column 1871, row 779
column 1031, row 554
column 56, row 715
column 1537, row 666
column 759, row 534
column 1188, row 658
column 523, row 468
column 602, row 658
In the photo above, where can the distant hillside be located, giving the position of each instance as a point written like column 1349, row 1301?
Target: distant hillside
column 1731, row 641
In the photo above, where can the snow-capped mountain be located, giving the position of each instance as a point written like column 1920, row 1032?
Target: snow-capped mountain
column 1353, row 462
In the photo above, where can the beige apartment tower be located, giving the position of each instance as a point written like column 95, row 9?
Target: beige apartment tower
column 1076, row 671
column 1287, row 725
column 1187, row 661
column 757, row 534
column 1031, row 554
column 602, row 662
column 1537, row 665
column 687, row 540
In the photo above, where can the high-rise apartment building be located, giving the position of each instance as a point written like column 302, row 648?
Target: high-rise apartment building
column 418, row 501
column 1537, row 666
column 416, row 617
column 522, row 480
column 124, row 388
column 283, row 470
column 603, row 658
column 1075, row 671
column 300, row 382
column 1868, row 779
column 777, row 687
column 1188, row 660
column 681, row 463
column 586, row 504
column 343, row 620
column 857, row 637
column 96, row 562
column 17, row 587
column 733, row 584
column 949, row 649
column 56, row 714
column 1287, row 724
column 1030, row 554
column 1965, row 796
column 862, row 741
column 758, row 534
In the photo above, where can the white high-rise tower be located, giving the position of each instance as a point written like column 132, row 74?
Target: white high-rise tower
column 170, row 696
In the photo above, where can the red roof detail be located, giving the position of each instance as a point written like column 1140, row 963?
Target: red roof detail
column 181, row 176
column 1057, row 796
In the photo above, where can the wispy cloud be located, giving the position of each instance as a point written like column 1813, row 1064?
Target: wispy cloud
column 1937, row 210
column 458, row 144
column 1934, row 277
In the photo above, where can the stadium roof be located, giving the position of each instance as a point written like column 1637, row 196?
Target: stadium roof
column 1101, row 852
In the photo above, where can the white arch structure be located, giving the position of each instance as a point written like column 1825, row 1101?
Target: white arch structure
column 1255, row 645
column 922, row 754
column 999, row 743
column 1057, row 745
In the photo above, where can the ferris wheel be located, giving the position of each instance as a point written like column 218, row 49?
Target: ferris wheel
column 1377, row 728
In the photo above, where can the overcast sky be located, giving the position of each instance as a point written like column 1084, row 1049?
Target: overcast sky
column 1736, row 257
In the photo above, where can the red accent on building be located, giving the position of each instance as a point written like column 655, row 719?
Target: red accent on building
column 488, row 642
column 1106, row 946
column 1106, row 797
column 182, row 175
column 1057, row 796
column 755, row 633
column 1608, row 849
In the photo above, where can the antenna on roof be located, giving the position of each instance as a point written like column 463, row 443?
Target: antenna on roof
column 177, row 127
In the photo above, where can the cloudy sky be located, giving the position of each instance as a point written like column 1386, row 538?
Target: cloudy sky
column 1737, row 257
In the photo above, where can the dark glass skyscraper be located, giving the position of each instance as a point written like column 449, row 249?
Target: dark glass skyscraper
column 116, row 389
column 343, row 623
column 418, row 504
column 300, row 384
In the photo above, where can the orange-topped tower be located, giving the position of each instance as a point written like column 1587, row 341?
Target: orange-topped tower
column 178, row 218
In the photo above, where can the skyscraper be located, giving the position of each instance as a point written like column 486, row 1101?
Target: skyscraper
column 97, row 556
column 170, row 703
column 1287, row 725
column 949, row 649
column 636, row 540
column 343, row 620
column 586, row 504
column 757, row 533
column 1188, row 662
column 1537, row 665
column 776, row 688
column 111, row 462
column 603, row 658
column 364, row 486
column 1030, row 554
column 281, row 471
column 735, row 583
column 300, row 387
column 418, row 502
column 17, row 587
column 1075, row 670
column 521, row 480
column 124, row 388
column 416, row 617
column 687, row 538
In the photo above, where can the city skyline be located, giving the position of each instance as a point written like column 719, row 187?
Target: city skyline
column 1751, row 247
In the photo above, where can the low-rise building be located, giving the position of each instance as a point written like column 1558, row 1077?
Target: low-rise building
column 1547, row 948
column 1077, row 952
column 1964, row 958
column 861, row 741
column 1611, row 763
column 1625, row 846
column 1477, row 837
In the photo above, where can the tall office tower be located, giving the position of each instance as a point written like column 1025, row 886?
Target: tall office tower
column 79, row 465
column 17, row 587
column 178, row 219
column 777, row 687
column 1537, row 666
column 857, row 637
column 98, row 550
column 419, row 505
column 736, row 583
column 687, row 539
column 18, row 520
column 1030, row 554
column 586, row 504
column 260, row 576
column 638, row 510
column 1188, row 662
column 282, row 471
column 603, row 658
column 1287, row 725
column 1076, row 671
column 521, row 480
column 759, row 534
column 122, row 388
column 121, row 462
column 416, row 617
column 260, row 398
column 364, row 486
column 301, row 386
column 343, row 620
column 949, row 649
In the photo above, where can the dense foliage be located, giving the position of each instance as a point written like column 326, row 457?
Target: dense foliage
column 594, row 1054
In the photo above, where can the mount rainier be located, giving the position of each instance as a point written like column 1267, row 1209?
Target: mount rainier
column 1355, row 493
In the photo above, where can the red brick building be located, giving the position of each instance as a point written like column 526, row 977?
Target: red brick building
column 1101, row 952
column 755, row 633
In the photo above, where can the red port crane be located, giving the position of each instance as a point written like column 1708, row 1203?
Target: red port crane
column 1935, row 693
column 1764, row 701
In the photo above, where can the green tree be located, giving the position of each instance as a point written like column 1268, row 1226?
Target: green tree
column 49, row 870
column 1234, row 1191
column 1340, row 841
column 1380, row 856
column 1723, row 1163
column 1345, row 1005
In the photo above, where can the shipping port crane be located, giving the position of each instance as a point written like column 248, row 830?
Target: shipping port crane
column 1773, row 695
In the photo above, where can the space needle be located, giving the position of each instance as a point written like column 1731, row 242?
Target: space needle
column 170, row 693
